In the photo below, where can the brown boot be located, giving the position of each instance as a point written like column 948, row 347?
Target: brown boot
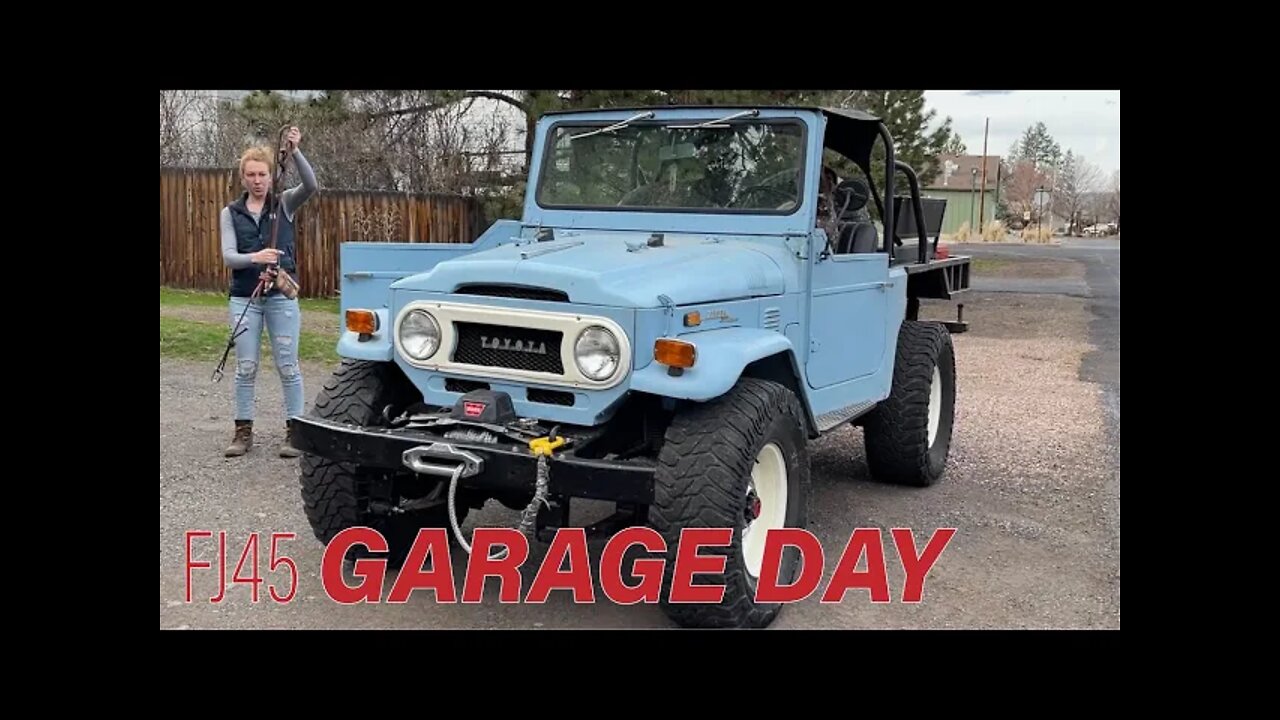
column 287, row 450
column 243, row 440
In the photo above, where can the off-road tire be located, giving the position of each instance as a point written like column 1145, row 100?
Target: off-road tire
column 335, row 495
column 703, row 473
column 897, row 430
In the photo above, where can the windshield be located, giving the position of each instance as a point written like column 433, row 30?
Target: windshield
column 752, row 166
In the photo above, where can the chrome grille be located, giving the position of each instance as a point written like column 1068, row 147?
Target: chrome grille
column 501, row 346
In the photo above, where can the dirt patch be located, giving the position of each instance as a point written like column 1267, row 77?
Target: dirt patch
column 1011, row 315
column 1028, row 268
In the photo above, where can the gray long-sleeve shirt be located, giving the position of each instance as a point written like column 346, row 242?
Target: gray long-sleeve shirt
column 292, row 199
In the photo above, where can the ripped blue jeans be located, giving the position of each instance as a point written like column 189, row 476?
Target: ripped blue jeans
column 283, row 320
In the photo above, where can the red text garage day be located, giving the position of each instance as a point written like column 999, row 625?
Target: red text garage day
column 567, row 566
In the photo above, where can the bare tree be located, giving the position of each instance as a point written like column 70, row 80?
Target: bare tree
column 492, row 151
column 448, row 140
column 526, row 102
column 400, row 141
column 1093, row 209
column 1021, row 185
column 1077, row 180
column 182, row 115
column 351, row 138
column 1115, row 199
column 382, row 148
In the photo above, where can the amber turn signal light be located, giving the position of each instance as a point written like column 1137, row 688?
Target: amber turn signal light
column 364, row 322
column 675, row 353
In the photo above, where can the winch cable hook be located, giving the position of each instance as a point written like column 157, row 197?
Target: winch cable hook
column 543, row 447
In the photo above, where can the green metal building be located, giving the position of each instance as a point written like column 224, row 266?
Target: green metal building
column 959, row 182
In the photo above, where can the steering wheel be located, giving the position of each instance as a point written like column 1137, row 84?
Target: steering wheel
column 632, row 194
column 767, row 185
column 695, row 197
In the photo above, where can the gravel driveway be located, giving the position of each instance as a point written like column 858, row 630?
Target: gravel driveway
column 1037, row 542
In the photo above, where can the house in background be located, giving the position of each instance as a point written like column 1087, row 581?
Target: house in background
column 959, row 181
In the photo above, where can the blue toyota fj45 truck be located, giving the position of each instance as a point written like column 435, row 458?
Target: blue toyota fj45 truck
column 688, row 300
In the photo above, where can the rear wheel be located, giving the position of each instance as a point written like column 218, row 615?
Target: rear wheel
column 908, row 435
column 337, row 495
column 738, row 462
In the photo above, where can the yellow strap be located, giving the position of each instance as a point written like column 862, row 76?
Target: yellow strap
column 545, row 446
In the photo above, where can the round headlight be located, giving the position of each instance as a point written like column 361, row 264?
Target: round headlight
column 597, row 353
column 419, row 335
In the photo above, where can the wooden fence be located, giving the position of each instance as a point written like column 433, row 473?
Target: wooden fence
column 191, row 200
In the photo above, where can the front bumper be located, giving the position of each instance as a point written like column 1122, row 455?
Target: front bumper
column 502, row 467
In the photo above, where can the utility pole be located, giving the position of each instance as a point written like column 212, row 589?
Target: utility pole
column 1039, row 211
column 973, row 179
column 999, row 169
column 982, row 192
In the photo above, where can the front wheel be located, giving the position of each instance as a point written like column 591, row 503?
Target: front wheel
column 908, row 435
column 337, row 495
column 738, row 462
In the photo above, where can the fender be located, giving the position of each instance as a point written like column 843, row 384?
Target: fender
column 376, row 347
column 722, row 355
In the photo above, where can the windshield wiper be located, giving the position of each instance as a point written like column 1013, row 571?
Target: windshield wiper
column 613, row 127
column 717, row 123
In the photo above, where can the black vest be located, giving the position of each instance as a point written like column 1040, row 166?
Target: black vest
column 252, row 236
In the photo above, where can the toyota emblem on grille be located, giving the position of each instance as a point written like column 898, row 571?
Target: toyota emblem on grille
column 530, row 347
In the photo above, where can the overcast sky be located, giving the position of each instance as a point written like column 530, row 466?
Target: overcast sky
column 1084, row 121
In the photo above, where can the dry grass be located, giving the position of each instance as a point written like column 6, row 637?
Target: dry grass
column 994, row 231
column 1037, row 234
column 963, row 234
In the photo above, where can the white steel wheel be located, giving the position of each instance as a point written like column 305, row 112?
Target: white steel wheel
column 766, row 506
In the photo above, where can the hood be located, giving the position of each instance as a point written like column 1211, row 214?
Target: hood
column 619, row 270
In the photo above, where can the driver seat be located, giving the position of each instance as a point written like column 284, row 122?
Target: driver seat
column 855, row 233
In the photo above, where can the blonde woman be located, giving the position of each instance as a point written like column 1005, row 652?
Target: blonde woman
column 246, row 231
